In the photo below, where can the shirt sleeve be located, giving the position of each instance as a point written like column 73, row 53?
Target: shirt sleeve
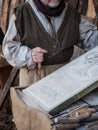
column 16, row 54
column 88, row 34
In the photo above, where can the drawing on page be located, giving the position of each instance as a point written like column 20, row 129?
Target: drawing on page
column 87, row 69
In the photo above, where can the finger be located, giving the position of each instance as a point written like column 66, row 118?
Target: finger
column 39, row 50
column 37, row 54
column 37, row 59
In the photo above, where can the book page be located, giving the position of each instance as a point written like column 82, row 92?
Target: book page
column 65, row 82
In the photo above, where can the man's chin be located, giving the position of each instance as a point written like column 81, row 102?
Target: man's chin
column 53, row 4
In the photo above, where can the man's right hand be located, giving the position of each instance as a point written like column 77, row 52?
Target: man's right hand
column 38, row 54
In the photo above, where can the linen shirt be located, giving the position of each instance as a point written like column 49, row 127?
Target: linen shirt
column 20, row 56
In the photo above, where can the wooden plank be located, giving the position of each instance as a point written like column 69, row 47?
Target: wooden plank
column 91, row 9
column 6, row 12
column 8, row 84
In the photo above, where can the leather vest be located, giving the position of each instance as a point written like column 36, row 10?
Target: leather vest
column 33, row 34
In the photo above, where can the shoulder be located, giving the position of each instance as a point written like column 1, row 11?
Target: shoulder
column 72, row 9
column 21, row 8
column 72, row 13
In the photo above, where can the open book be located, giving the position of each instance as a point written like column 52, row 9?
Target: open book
column 66, row 85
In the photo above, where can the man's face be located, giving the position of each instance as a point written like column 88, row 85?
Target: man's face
column 51, row 3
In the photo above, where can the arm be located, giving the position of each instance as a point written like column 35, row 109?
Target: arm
column 88, row 34
column 17, row 54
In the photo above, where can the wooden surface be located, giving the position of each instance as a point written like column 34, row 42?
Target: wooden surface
column 5, row 70
column 27, row 118
column 6, row 12
column 8, row 84
column 91, row 9
column 4, row 74
column 41, row 120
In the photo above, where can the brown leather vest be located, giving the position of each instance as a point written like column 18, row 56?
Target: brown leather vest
column 33, row 34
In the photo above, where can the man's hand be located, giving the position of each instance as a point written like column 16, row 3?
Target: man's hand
column 38, row 54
